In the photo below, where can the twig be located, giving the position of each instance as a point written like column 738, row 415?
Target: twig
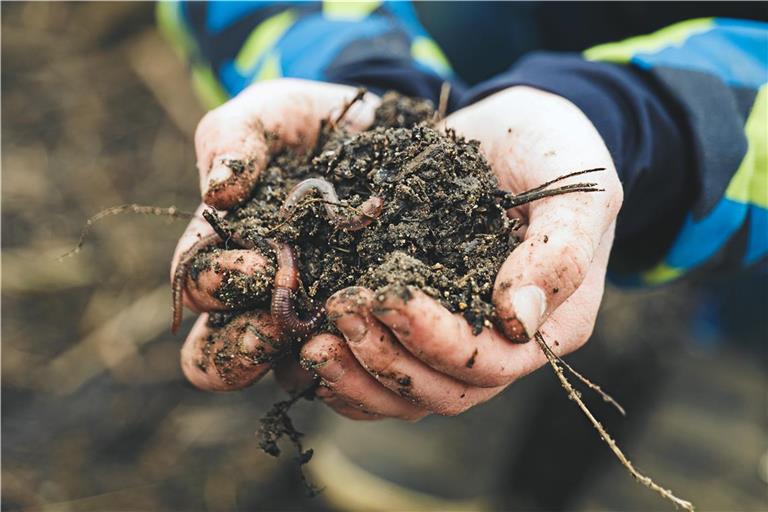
column 172, row 212
column 215, row 222
column 574, row 395
column 564, row 177
column 511, row 200
column 345, row 109
column 442, row 105
column 606, row 397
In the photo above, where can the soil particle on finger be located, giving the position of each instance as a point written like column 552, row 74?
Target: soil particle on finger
column 441, row 228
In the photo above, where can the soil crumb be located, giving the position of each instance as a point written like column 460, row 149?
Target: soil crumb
column 441, row 227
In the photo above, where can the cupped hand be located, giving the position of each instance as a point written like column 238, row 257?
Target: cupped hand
column 405, row 355
column 233, row 144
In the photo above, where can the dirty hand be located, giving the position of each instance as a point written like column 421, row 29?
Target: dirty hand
column 408, row 357
column 232, row 149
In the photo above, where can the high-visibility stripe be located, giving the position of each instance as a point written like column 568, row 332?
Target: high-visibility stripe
column 425, row 51
column 750, row 183
column 341, row 10
column 623, row 51
column 263, row 38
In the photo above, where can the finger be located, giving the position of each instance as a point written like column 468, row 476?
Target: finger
column 232, row 356
column 344, row 408
column 226, row 280
column 231, row 141
column 341, row 374
column 218, row 280
column 570, row 326
column 560, row 243
column 525, row 150
column 445, row 341
column 392, row 365
column 291, row 376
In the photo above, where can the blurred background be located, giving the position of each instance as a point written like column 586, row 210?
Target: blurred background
column 97, row 111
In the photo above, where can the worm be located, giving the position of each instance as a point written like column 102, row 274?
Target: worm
column 180, row 276
column 283, row 308
column 369, row 211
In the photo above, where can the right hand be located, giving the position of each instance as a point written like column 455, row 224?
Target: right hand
column 236, row 133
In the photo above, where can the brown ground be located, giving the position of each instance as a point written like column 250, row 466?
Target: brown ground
column 96, row 414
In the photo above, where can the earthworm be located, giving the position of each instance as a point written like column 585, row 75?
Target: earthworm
column 286, row 280
column 283, row 308
column 369, row 211
column 182, row 269
column 180, row 276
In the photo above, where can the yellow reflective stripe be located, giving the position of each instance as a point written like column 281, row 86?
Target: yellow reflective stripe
column 426, row 51
column 172, row 27
column 270, row 69
column 339, row 10
column 750, row 183
column 207, row 87
column 661, row 273
column 262, row 39
column 623, row 51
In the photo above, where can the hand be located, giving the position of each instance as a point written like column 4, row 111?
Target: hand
column 409, row 358
column 232, row 149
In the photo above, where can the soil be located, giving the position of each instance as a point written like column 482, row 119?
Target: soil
column 441, row 229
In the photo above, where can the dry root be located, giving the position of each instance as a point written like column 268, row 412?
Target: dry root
column 172, row 212
column 574, row 395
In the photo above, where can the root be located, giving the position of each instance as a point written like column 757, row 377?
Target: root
column 509, row 200
column 442, row 105
column 276, row 424
column 345, row 109
column 597, row 389
column 172, row 212
column 574, row 395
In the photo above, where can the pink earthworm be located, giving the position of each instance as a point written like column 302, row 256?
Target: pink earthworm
column 283, row 308
column 369, row 211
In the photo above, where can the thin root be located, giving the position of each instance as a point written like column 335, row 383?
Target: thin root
column 345, row 109
column 172, row 212
column 574, row 395
column 605, row 396
column 509, row 200
column 442, row 102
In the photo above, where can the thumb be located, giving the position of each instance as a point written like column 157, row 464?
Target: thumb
column 233, row 142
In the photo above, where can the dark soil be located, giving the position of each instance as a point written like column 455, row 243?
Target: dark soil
column 441, row 229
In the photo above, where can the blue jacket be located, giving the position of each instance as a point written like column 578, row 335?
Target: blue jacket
column 683, row 111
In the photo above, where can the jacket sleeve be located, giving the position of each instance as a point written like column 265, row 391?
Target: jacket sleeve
column 684, row 113
column 379, row 45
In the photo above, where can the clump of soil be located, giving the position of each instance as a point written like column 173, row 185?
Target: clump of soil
column 441, row 228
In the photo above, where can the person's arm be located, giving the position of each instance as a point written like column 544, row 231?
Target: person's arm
column 683, row 113
column 378, row 45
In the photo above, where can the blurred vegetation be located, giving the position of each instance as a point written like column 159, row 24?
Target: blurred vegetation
column 97, row 111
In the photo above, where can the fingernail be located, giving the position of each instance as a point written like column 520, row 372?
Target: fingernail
column 353, row 327
column 220, row 173
column 530, row 304
column 324, row 365
column 331, row 371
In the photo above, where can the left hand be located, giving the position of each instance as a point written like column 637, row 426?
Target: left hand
column 408, row 359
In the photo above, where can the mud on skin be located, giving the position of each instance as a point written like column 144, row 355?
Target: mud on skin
column 440, row 226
